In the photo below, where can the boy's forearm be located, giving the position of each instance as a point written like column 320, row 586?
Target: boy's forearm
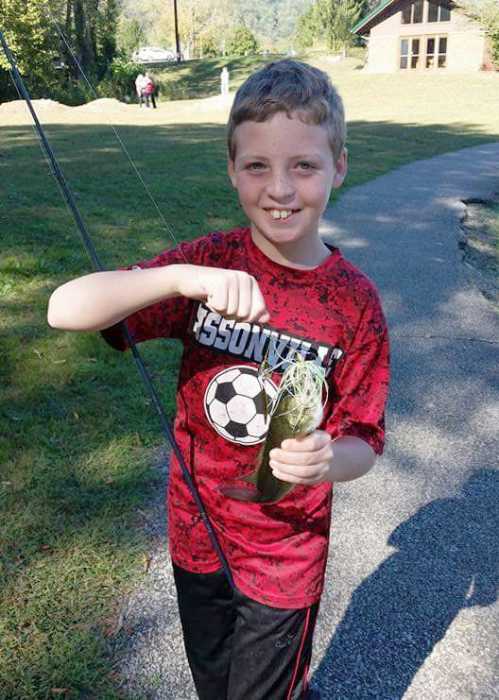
column 352, row 458
column 101, row 299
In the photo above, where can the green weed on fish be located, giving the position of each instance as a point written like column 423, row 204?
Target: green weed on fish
column 297, row 410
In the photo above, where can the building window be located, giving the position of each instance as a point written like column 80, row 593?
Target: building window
column 413, row 12
column 404, row 52
column 423, row 52
column 442, row 52
column 436, row 52
column 438, row 12
column 410, row 53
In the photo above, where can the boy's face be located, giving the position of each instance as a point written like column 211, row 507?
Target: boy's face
column 284, row 172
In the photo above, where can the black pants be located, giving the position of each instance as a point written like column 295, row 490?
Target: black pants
column 239, row 649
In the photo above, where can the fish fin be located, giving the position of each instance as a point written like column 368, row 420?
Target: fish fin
column 251, row 478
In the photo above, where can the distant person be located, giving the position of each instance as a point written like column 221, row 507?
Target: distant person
column 139, row 88
column 224, row 81
column 149, row 90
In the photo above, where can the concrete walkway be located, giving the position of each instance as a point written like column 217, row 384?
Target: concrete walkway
column 411, row 604
column 410, row 608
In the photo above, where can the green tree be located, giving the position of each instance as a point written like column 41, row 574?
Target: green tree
column 33, row 44
column 486, row 13
column 130, row 35
column 94, row 33
column 242, row 43
column 312, row 25
column 343, row 14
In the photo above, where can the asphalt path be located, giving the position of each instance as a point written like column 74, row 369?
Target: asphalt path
column 410, row 605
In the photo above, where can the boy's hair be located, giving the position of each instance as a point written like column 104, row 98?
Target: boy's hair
column 295, row 88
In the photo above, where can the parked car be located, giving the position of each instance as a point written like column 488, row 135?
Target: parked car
column 153, row 54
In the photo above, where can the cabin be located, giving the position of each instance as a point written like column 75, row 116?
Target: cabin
column 423, row 35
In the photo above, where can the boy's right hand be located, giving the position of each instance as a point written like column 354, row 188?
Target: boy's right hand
column 233, row 294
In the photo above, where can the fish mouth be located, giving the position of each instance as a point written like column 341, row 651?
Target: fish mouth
column 247, row 492
column 241, row 491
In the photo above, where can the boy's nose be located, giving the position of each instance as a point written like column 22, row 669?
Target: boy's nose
column 280, row 186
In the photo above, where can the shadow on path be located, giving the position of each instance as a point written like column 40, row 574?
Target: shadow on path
column 445, row 560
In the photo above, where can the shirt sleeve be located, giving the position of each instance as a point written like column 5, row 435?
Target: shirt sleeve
column 168, row 318
column 360, row 389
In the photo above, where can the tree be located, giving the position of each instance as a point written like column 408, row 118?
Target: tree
column 486, row 13
column 311, row 26
column 343, row 14
column 330, row 20
column 130, row 35
column 94, row 33
column 242, row 43
column 33, row 45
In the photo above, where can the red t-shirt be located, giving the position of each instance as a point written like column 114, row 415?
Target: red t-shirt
column 277, row 553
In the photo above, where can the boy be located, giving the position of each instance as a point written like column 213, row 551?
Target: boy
column 234, row 298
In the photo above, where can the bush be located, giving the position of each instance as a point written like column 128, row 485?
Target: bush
column 242, row 43
column 209, row 47
column 119, row 80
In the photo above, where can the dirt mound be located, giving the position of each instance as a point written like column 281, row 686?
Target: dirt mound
column 103, row 104
column 18, row 108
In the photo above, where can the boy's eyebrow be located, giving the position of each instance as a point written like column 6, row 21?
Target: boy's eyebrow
column 297, row 156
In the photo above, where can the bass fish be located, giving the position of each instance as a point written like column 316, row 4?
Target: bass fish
column 296, row 411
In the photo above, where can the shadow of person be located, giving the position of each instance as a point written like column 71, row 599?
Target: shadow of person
column 446, row 560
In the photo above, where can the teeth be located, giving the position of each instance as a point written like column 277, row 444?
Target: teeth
column 280, row 213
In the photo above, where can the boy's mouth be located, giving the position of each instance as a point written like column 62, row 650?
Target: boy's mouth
column 278, row 214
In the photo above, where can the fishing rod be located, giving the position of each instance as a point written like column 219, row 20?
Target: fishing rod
column 90, row 248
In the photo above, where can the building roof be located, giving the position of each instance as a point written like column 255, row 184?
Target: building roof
column 365, row 24
column 361, row 24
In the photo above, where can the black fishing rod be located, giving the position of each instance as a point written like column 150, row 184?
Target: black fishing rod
column 90, row 248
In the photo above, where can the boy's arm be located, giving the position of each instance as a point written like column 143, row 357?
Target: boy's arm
column 101, row 299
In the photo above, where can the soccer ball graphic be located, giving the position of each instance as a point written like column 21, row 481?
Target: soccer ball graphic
column 234, row 403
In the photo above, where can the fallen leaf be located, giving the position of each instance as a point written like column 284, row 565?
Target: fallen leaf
column 38, row 353
column 58, row 362
column 59, row 691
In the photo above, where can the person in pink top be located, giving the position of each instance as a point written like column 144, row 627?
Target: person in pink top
column 268, row 289
column 149, row 90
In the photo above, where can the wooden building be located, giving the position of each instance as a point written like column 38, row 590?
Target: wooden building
column 423, row 35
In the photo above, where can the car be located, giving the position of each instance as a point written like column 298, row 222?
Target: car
column 153, row 54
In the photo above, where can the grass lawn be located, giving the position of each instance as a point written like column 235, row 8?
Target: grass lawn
column 78, row 438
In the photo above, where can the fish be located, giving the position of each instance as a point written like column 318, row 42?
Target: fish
column 296, row 411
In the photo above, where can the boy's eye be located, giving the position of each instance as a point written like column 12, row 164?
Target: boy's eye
column 256, row 165
column 305, row 165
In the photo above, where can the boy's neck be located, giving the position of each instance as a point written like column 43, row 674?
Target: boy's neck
column 306, row 254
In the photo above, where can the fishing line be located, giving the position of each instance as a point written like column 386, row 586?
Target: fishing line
column 90, row 248
column 125, row 150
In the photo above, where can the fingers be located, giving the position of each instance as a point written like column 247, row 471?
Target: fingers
column 236, row 295
column 306, row 460
column 307, row 449
column 259, row 310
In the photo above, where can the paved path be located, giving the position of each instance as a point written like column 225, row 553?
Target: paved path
column 410, row 608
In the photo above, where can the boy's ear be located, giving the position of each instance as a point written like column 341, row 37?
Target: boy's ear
column 231, row 171
column 341, row 169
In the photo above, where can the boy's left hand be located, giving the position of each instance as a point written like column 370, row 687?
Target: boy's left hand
column 305, row 460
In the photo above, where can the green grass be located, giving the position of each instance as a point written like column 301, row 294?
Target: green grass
column 78, row 438
column 201, row 78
